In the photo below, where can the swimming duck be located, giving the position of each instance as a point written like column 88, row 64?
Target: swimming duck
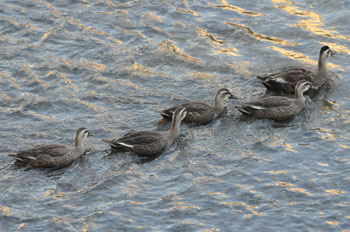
column 53, row 155
column 199, row 112
column 286, row 80
column 149, row 143
column 277, row 107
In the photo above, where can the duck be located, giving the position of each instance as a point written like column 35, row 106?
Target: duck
column 53, row 155
column 277, row 108
column 286, row 80
column 149, row 143
column 199, row 112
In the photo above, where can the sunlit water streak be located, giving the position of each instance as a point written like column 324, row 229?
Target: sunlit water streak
column 110, row 65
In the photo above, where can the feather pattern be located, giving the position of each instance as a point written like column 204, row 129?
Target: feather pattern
column 142, row 143
column 276, row 107
column 52, row 155
column 286, row 80
column 149, row 143
column 199, row 112
column 44, row 155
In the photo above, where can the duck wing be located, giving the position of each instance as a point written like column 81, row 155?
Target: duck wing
column 262, row 106
column 197, row 112
column 272, row 101
column 143, row 143
column 285, row 80
column 140, row 137
column 41, row 155
column 168, row 113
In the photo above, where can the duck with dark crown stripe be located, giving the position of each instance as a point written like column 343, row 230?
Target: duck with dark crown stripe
column 276, row 107
column 286, row 80
column 53, row 155
column 149, row 143
column 199, row 112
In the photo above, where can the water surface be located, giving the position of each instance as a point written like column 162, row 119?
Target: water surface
column 109, row 65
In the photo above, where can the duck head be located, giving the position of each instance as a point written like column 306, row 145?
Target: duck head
column 179, row 115
column 302, row 86
column 80, row 135
column 222, row 93
column 325, row 53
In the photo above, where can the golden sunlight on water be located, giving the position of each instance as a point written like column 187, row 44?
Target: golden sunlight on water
column 313, row 23
column 225, row 5
column 261, row 36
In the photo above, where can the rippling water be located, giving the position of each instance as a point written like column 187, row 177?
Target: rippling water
column 109, row 65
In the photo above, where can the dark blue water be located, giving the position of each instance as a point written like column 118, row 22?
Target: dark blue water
column 109, row 65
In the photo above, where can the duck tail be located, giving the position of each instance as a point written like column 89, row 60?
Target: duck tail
column 168, row 114
column 117, row 145
column 266, row 81
column 262, row 78
column 16, row 157
column 243, row 109
column 22, row 158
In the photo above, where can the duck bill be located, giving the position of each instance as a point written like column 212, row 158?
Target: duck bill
column 313, row 88
column 231, row 96
column 333, row 53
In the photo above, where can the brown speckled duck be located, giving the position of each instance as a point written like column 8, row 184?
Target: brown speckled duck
column 286, row 80
column 149, row 143
column 199, row 112
column 53, row 155
column 276, row 107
